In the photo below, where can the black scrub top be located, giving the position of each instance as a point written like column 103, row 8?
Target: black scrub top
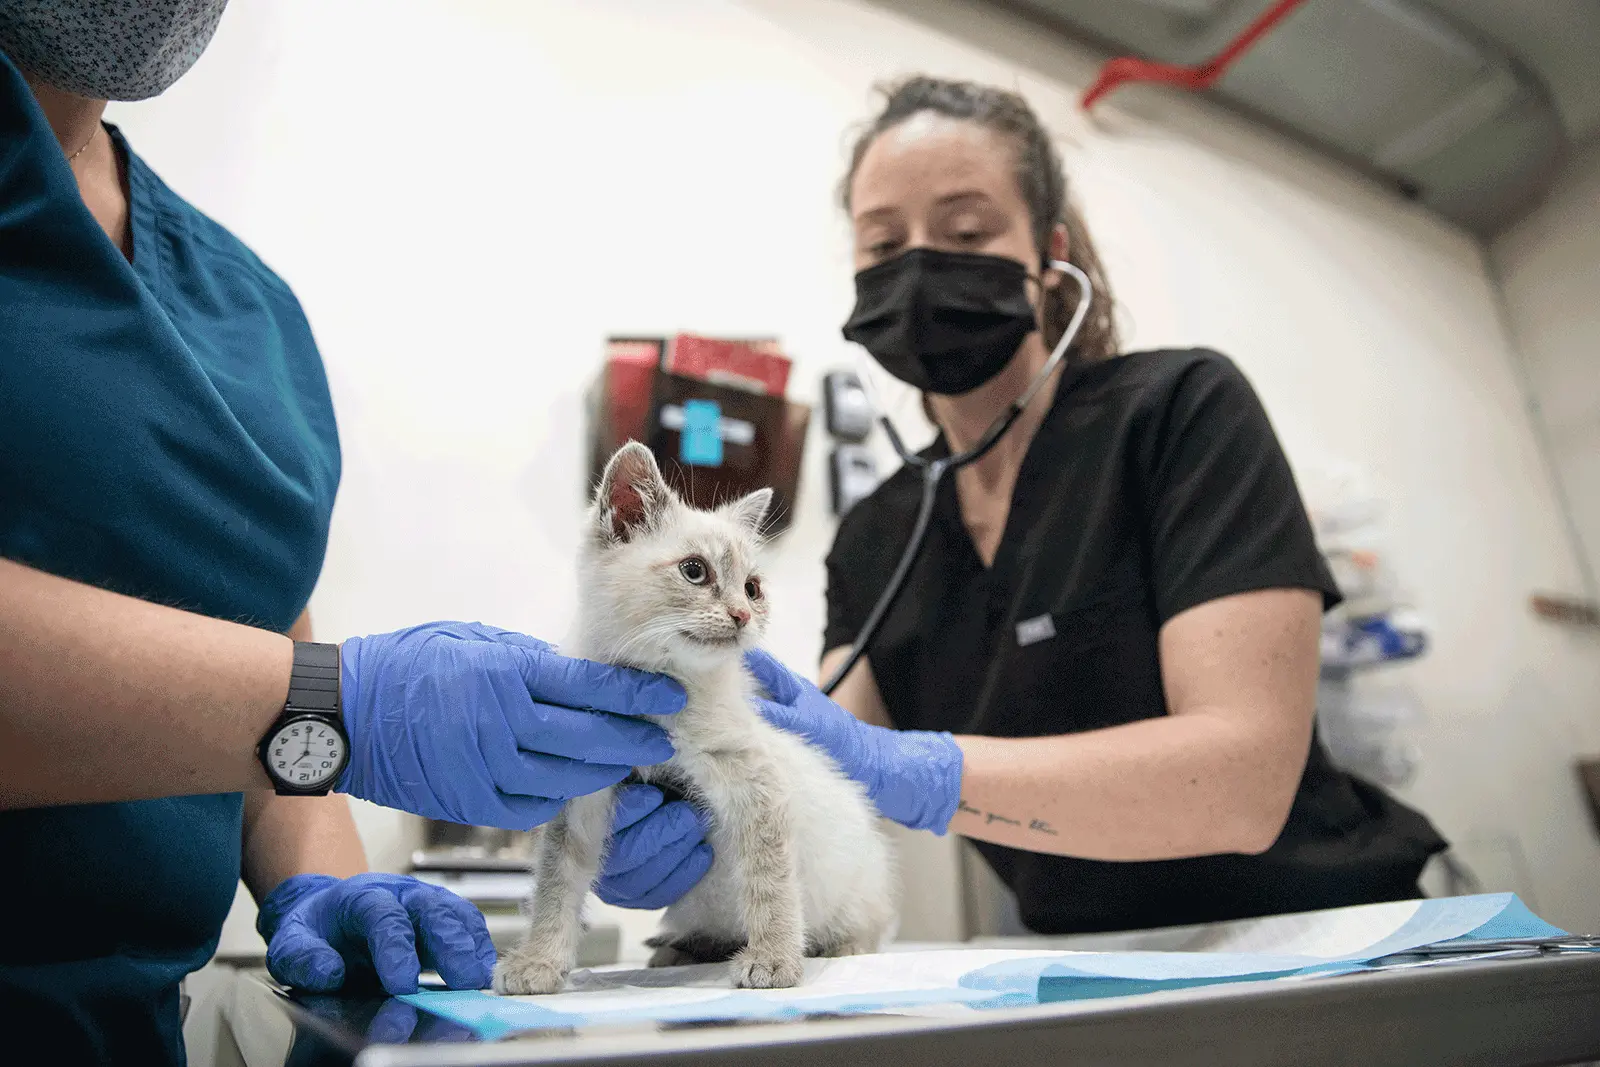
column 166, row 431
column 1154, row 484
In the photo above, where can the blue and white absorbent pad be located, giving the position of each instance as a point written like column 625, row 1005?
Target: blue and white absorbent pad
column 950, row 981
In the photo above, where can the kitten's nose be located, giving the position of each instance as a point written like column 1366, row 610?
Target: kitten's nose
column 740, row 616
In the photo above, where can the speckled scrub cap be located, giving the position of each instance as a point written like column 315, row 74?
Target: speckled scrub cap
column 108, row 49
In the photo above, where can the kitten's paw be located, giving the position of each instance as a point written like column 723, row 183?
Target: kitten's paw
column 767, row 970
column 523, row 974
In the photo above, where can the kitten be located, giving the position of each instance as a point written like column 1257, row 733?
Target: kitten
column 802, row 866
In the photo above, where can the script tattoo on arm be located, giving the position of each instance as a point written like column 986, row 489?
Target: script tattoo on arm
column 1038, row 826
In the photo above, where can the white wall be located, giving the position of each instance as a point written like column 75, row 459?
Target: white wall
column 1549, row 270
column 469, row 195
column 1548, row 267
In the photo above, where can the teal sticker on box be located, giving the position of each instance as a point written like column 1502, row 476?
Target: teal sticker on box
column 702, row 434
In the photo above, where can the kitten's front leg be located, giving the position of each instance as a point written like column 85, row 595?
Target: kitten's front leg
column 769, row 885
column 567, row 864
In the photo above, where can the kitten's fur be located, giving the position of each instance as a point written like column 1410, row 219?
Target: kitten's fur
column 801, row 865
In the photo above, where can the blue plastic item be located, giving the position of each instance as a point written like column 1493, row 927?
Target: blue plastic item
column 701, row 437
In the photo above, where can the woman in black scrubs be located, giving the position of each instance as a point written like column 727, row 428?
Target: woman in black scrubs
column 1103, row 666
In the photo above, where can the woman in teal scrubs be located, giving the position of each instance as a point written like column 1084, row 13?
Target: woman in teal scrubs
column 168, row 463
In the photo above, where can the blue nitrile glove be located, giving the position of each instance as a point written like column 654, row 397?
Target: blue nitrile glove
column 323, row 932
column 481, row 726
column 658, row 850
column 913, row 776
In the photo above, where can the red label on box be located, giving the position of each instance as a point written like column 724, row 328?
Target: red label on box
column 757, row 367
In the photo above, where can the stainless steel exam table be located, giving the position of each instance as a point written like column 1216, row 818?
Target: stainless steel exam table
column 1501, row 1011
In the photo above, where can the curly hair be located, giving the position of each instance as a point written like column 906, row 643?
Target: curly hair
column 1039, row 176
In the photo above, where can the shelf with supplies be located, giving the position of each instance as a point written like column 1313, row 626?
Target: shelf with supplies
column 713, row 411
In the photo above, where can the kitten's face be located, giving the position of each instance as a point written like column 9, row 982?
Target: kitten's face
column 665, row 584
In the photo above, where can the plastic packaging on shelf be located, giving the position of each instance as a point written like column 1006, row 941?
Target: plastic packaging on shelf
column 1366, row 727
column 1375, row 624
column 1349, row 644
column 1368, row 730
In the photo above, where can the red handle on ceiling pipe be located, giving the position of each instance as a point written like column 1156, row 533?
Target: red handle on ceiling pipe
column 1126, row 69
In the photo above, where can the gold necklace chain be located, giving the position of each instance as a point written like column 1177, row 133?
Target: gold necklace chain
column 85, row 147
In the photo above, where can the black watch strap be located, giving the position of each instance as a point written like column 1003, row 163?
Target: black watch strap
column 314, row 681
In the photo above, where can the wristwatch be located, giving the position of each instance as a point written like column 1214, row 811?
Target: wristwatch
column 306, row 748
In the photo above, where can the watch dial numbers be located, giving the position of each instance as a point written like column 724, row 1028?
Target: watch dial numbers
column 306, row 754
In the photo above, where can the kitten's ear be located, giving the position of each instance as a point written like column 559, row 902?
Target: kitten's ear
column 632, row 494
column 749, row 510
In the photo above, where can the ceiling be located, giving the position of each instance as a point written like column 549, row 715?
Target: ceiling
column 1469, row 106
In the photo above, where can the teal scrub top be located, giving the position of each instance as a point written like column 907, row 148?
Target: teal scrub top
column 165, row 432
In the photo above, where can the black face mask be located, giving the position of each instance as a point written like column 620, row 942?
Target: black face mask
column 945, row 322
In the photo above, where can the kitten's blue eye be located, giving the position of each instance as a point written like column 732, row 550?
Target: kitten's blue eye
column 695, row 571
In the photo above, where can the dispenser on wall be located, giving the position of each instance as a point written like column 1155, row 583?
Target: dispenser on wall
column 714, row 413
column 852, row 469
column 847, row 406
column 855, row 475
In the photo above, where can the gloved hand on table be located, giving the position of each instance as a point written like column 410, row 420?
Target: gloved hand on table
column 913, row 776
column 477, row 725
column 658, row 850
column 325, row 933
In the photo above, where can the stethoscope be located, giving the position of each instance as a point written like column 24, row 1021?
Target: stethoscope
column 933, row 471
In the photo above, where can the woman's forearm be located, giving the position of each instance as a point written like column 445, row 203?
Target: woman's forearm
column 285, row 836
column 1217, row 774
column 1193, row 784
column 105, row 697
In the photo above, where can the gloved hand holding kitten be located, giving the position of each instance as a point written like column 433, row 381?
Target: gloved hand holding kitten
column 481, row 726
column 914, row 777
column 477, row 725
column 658, row 850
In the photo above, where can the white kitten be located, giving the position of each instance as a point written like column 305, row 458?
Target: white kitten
column 802, row 867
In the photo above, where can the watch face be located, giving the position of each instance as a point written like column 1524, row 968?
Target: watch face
column 306, row 753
